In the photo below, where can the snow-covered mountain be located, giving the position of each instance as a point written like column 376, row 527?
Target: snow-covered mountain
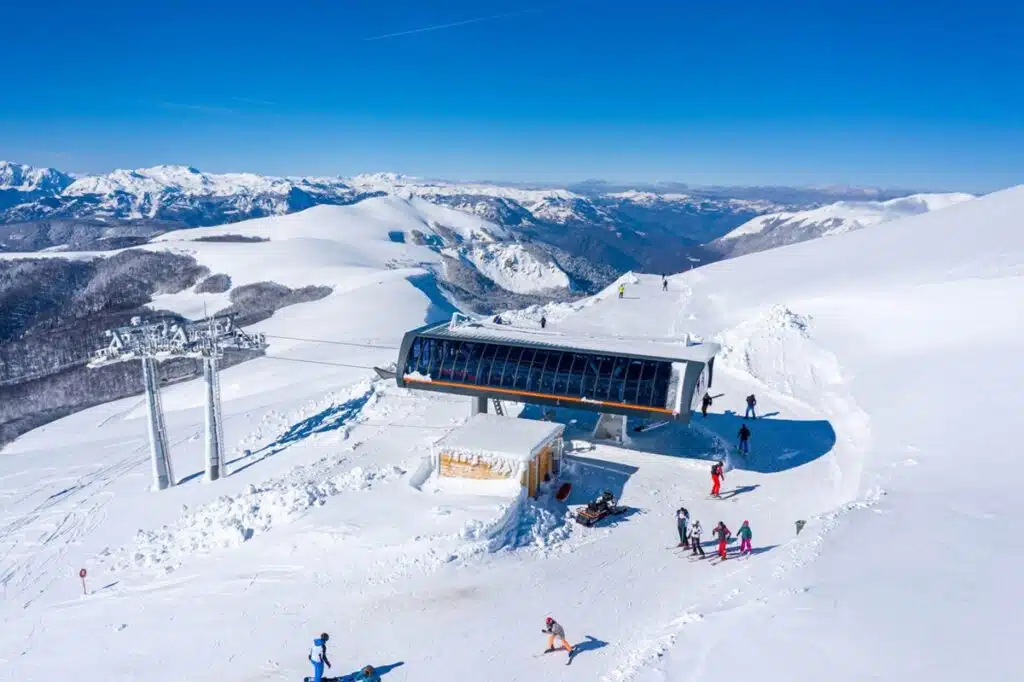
column 181, row 195
column 778, row 229
column 857, row 348
column 20, row 184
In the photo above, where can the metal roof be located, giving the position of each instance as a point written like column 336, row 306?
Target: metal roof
column 635, row 347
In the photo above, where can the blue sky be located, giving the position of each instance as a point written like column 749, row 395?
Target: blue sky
column 908, row 94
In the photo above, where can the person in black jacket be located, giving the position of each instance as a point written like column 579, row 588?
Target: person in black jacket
column 744, row 435
column 751, row 403
column 705, row 403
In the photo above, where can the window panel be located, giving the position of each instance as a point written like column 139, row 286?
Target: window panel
column 483, row 368
column 574, row 381
column 547, row 380
column 562, row 374
column 535, row 370
column 650, row 371
column 633, row 372
column 617, row 380
column 519, row 379
column 507, row 378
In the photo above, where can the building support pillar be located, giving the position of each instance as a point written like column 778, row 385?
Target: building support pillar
column 214, row 427
column 163, row 475
column 478, row 406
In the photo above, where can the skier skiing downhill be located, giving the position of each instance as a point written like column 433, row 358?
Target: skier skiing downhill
column 717, row 475
column 682, row 519
column 751, row 403
column 622, row 290
column 705, row 403
column 745, row 536
column 744, row 435
column 695, row 533
column 552, row 629
column 318, row 657
column 723, row 533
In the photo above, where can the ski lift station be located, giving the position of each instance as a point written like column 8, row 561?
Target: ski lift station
column 652, row 379
column 519, row 452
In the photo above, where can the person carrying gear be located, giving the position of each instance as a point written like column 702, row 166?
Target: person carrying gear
column 622, row 290
column 744, row 435
column 751, row 403
column 745, row 536
column 552, row 629
column 705, row 403
column 682, row 519
column 723, row 533
column 717, row 476
column 318, row 656
column 695, row 533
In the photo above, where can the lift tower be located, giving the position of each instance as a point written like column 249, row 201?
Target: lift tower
column 164, row 339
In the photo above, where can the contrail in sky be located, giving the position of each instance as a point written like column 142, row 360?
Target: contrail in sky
column 464, row 22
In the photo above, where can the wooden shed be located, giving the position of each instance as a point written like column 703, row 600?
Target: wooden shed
column 493, row 448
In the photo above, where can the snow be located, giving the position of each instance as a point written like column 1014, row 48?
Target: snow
column 844, row 216
column 514, row 268
column 499, row 439
column 886, row 365
column 578, row 331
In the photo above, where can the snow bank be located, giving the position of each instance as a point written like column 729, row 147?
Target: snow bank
column 230, row 521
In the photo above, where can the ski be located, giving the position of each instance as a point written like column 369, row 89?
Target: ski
column 572, row 653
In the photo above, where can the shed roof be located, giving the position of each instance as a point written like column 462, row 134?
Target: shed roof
column 675, row 350
column 489, row 435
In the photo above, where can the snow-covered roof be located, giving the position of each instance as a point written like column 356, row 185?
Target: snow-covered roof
column 566, row 339
column 507, row 438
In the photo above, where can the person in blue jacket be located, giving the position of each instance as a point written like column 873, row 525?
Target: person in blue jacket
column 318, row 656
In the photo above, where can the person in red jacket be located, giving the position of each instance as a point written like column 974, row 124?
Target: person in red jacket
column 723, row 533
column 717, row 475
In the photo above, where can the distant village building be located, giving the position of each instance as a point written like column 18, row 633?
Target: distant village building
column 493, row 448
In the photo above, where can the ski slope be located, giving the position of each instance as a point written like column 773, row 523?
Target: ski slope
column 886, row 366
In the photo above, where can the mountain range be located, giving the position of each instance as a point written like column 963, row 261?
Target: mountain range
column 661, row 227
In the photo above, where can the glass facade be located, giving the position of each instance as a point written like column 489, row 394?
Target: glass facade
column 552, row 373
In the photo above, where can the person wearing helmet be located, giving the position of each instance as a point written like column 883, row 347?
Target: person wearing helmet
column 745, row 535
column 318, row 656
column 552, row 629
column 723, row 534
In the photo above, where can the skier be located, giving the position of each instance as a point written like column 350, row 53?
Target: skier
column 622, row 290
column 705, row 403
column 745, row 535
column 318, row 657
column 751, row 403
column 664, row 284
column 695, row 533
column 552, row 629
column 723, row 533
column 543, row 322
column 717, row 475
column 744, row 435
column 682, row 519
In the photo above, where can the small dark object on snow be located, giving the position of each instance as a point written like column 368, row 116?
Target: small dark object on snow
column 598, row 509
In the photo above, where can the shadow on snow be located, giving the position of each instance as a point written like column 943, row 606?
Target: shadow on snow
column 776, row 444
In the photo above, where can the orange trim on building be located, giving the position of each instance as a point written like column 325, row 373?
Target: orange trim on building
column 530, row 394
